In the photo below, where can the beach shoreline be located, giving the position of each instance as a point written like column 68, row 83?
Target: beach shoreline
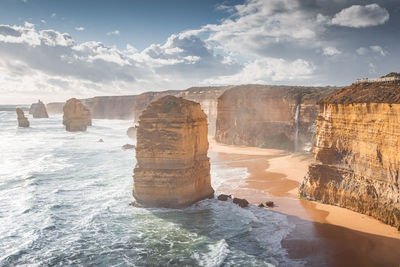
column 324, row 234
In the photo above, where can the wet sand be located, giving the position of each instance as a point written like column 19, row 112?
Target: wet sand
column 325, row 235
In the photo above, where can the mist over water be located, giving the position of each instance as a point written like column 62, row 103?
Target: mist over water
column 64, row 200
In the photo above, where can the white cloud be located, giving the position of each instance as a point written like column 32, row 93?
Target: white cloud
column 331, row 51
column 116, row 32
column 79, row 29
column 53, row 15
column 43, row 21
column 373, row 49
column 267, row 70
column 358, row 16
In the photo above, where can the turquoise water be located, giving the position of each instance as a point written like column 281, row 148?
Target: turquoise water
column 64, row 200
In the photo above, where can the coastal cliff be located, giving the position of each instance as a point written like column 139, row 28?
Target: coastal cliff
column 172, row 169
column 357, row 151
column 76, row 116
column 280, row 117
column 130, row 107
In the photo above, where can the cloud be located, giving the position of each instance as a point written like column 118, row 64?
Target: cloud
column 43, row 21
column 116, row 32
column 79, row 29
column 358, row 16
column 373, row 49
column 269, row 69
column 331, row 51
column 53, row 15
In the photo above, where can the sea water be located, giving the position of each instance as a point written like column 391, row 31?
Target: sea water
column 64, row 200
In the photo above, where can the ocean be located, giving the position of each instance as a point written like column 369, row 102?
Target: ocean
column 64, row 200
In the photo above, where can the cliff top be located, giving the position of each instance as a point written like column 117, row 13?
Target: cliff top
column 173, row 107
column 367, row 92
column 281, row 91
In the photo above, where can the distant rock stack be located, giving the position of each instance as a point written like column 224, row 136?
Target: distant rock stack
column 172, row 169
column 22, row 120
column 38, row 110
column 76, row 116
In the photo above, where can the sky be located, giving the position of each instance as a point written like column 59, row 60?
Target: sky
column 57, row 49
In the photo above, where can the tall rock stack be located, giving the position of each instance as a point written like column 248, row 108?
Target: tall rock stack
column 76, row 116
column 38, row 110
column 22, row 120
column 172, row 169
column 358, row 151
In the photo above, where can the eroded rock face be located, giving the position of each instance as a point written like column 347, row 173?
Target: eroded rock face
column 22, row 120
column 38, row 110
column 358, row 151
column 172, row 169
column 280, row 117
column 76, row 116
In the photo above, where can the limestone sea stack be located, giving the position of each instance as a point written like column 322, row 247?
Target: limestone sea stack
column 38, row 110
column 22, row 120
column 76, row 116
column 172, row 169
column 358, row 150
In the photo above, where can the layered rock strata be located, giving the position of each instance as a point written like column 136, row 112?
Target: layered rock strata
column 22, row 120
column 38, row 110
column 172, row 169
column 76, row 116
column 358, row 151
column 280, row 117
column 130, row 107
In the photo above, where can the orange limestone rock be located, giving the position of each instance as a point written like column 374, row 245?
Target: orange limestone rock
column 22, row 120
column 172, row 169
column 76, row 116
column 38, row 110
column 358, row 151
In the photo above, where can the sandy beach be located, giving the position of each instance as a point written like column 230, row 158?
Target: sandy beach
column 325, row 235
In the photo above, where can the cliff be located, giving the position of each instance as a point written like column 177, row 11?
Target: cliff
column 38, row 110
column 130, row 107
column 22, row 120
column 172, row 169
column 55, row 108
column 76, row 116
column 357, row 151
column 280, row 117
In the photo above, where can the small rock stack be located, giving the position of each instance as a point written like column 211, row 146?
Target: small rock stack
column 22, row 120
column 38, row 110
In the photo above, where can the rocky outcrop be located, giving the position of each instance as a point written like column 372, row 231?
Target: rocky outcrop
column 38, row 110
column 358, row 151
column 22, row 120
column 172, row 169
column 76, row 116
column 280, row 117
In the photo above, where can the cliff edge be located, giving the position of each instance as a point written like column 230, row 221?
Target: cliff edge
column 357, row 151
